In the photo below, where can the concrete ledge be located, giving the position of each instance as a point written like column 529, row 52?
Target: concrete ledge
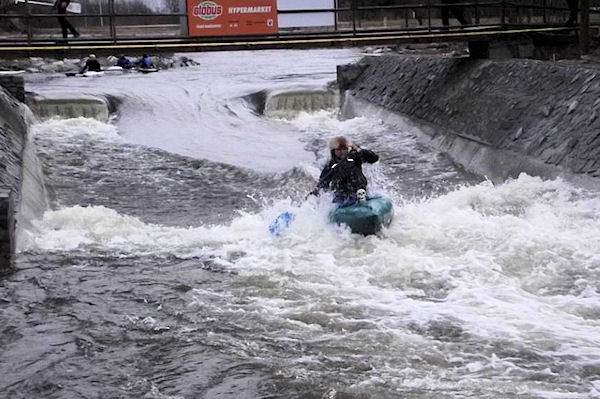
column 282, row 103
column 68, row 105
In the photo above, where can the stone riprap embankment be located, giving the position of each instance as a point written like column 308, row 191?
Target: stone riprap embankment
column 51, row 65
column 497, row 118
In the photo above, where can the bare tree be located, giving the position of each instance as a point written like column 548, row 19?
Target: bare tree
column 173, row 5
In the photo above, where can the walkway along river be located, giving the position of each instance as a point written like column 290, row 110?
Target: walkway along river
column 154, row 275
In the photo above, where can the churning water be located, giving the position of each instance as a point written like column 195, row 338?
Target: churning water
column 154, row 276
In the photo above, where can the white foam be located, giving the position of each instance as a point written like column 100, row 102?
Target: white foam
column 326, row 121
column 509, row 263
column 65, row 129
column 509, row 234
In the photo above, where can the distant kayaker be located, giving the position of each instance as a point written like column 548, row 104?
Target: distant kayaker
column 124, row 62
column 145, row 62
column 343, row 173
column 91, row 64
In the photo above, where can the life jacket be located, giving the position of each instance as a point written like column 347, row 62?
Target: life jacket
column 93, row 65
column 146, row 63
column 125, row 63
column 347, row 176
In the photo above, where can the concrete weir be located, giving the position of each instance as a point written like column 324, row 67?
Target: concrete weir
column 284, row 103
column 68, row 105
column 497, row 118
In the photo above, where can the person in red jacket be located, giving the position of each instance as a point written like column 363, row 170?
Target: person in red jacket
column 61, row 7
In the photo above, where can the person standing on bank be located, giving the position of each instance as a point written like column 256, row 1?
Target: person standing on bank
column 572, row 12
column 456, row 10
column 61, row 7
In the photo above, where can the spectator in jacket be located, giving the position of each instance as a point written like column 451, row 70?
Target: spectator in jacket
column 61, row 7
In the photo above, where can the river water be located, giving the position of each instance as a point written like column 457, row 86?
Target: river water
column 154, row 275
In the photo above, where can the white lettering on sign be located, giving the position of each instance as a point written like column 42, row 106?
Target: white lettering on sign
column 250, row 10
column 209, row 26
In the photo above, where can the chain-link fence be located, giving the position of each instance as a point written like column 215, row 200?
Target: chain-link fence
column 121, row 20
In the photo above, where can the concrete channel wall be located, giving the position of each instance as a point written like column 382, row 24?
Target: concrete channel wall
column 22, row 190
column 13, row 84
column 23, row 197
column 498, row 118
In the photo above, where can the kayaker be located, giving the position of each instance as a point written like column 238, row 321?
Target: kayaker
column 91, row 64
column 145, row 62
column 124, row 62
column 343, row 173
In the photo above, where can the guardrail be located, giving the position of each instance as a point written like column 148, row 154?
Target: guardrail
column 350, row 17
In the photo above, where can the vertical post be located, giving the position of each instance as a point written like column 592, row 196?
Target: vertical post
column 111, row 19
column 405, row 17
column 584, row 33
column 28, row 21
column 544, row 16
column 477, row 20
column 503, row 13
column 183, row 20
column 84, row 6
column 101, row 14
column 335, row 16
column 429, row 16
column 353, row 6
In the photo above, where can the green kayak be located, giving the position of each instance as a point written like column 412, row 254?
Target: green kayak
column 366, row 217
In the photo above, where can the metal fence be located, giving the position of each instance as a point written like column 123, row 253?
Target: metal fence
column 117, row 21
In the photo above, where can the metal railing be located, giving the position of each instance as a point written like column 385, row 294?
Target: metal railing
column 27, row 24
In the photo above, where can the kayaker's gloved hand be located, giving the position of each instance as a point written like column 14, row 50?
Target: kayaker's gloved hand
column 314, row 192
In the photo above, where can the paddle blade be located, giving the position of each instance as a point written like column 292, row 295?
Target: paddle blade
column 282, row 222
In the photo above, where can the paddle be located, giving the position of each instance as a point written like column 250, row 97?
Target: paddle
column 284, row 220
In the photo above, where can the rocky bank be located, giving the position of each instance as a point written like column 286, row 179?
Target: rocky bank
column 52, row 65
column 521, row 115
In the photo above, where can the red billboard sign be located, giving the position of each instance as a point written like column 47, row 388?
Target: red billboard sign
column 232, row 17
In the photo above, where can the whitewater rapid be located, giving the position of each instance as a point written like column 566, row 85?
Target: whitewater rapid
column 155, row 274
